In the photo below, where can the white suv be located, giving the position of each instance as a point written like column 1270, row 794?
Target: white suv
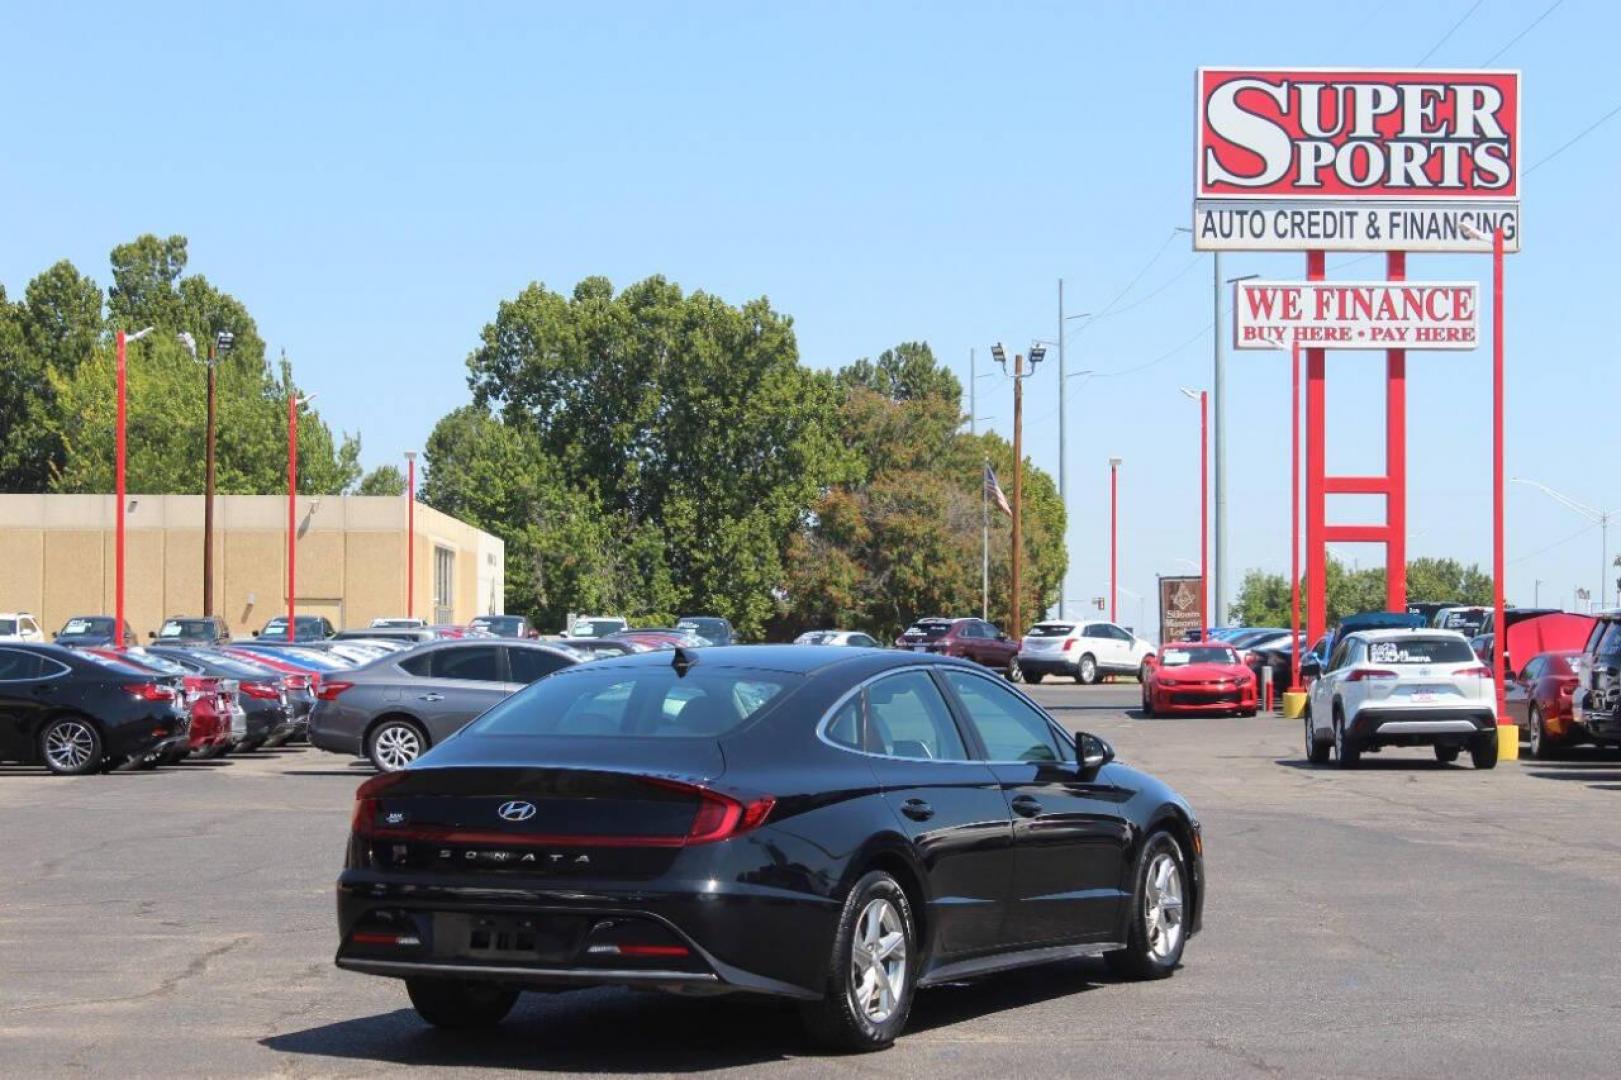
column 1402, row 688
column 19, row 626
column 1085, row 651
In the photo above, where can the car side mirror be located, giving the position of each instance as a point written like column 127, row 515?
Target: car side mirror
column 1093, row 751
column 153, row 634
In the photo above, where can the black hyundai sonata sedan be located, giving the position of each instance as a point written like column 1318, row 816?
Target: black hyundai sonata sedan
column 839, row 827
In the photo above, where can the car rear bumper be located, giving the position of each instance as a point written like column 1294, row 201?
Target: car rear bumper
column 738, row 938
column 1421, row 726
column 1047, row 664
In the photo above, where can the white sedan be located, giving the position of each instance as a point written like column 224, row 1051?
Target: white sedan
column 853, row 638
column 1402, row 688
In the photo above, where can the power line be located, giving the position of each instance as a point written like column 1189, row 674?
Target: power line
column 1149, row 265
column 1583, row 531
column 1444, row 37
column 1172, row 280
column 1584, row 133
column 1530, row 27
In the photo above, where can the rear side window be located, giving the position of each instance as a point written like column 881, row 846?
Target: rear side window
column 908, row 718
column 1421, row 651
column 18, row 665
column 531, row 664
column 481, row 664
column 845, row 727
column 648, row 702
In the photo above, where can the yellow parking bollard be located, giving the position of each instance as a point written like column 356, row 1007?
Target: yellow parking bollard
column 1294, row 704
column 1508, row 742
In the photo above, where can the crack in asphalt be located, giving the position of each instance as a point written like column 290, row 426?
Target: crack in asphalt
column 198, row 966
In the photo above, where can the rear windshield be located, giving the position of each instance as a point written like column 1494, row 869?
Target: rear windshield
column 596, row 627
column 929, row 630
column 186, row 628
column 1207, row 654
column 1467, row 622
column 637, row 703
column 1051, row 629
column 231, row 665
column 157, row 663
column 1421, row 651
column 118, row 665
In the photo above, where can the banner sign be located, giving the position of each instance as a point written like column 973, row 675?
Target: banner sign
column 1356, row 314
column 1355, row 160
column 1179, row 609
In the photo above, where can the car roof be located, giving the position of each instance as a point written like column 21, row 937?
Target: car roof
column 1403, row 634
column 792, row 659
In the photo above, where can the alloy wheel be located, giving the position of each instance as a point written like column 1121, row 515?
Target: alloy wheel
column 1536, row 733
column 878, row 961
column 1015, row 673
column 1089, row 670
column 1162, row 907
column 396, row 746
column 69, row 745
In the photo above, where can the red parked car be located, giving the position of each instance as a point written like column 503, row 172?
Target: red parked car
column 1538, row 699
column 1205, row 676
column 971, row 639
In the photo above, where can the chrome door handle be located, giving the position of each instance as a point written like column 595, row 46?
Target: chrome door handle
column 431, row 697
column 1026, row 806
column 917, row 809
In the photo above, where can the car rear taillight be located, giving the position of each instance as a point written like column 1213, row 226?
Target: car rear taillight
column 362, row 822
column 1479, row 671
column 330, row 691
column 1069, row 643
column 148, row 691
column 1367, row 674
column 626, row 949
column 262, row 691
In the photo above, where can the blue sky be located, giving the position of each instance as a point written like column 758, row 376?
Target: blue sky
column 373, row 179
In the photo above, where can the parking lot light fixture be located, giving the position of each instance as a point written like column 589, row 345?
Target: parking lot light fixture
column 121, row 340
column 410, row 533
column 1114, row 537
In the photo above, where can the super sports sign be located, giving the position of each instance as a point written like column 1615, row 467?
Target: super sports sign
column 1356, row 160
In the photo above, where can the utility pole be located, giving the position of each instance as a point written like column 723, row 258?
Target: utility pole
column 218, row 346
column 1037, row 353
column 1063, row 457
column 1218, row 386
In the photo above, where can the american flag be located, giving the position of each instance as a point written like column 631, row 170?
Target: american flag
column 993, row 491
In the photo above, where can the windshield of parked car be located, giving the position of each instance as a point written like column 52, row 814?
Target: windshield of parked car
column 187, row 628
column 644, row 702
column 8, row 626
column 1051, row 629
column 1206, row 654
column 88, row 626
column 596, row 627
column 1421, row 651
column 931, row 631
column 506, row 624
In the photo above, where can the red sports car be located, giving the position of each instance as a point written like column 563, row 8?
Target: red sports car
column 1538, row 699
column 1205, row 676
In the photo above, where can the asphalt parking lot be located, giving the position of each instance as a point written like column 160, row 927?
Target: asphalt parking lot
column 1407, row 919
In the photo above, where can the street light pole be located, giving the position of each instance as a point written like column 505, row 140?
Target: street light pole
column 1204, row 506
column 410, row 533
column 121, row 365
column 1114, row 538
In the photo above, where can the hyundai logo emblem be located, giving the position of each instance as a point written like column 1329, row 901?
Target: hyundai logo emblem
column 516, row 811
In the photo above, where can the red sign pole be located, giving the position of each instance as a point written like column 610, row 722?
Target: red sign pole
column 1508, row 734
column 1114, row 534
column 1396, row 458
column 1294, row 515
column 118, row 487
column 292, row 508
column 1316, row 461
column 1204, row 515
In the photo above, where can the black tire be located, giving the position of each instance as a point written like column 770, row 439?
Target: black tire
column 1147, row 956
column 1542, row 747
column 1142, row 672
column 1317, row 751
column 389, row 744
column 1347, row 751
column 1148, row 704
column 1086, row 670
column 1033, row 677
column 458, row 1005
column 71, row 746
column 1483, row 750
column 837, row 1021
column 1446, row 755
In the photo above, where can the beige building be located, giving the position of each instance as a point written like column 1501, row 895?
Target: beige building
column 58, row 559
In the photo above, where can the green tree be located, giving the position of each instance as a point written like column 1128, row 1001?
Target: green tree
column 680, row 414
column 383, row 480
column 1263, row 599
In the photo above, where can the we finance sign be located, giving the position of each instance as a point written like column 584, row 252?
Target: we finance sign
column 1355, row 159
column 1356, row 315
